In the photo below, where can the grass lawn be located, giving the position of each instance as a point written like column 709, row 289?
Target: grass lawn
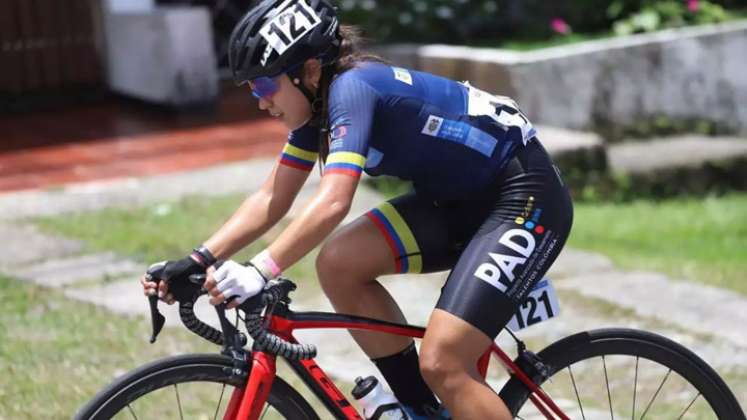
column 61, row 351
column 168, row 231
column 163, row 231
column 56, row 353
column 696, row 239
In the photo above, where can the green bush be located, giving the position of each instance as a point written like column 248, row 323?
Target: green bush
column 658, row 14
column 495, row 21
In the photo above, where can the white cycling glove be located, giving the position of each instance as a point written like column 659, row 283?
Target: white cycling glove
column 238, row 280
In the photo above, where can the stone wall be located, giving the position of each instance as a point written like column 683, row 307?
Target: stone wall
column 690, row 73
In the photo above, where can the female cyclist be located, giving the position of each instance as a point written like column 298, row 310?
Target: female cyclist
column 487, row 203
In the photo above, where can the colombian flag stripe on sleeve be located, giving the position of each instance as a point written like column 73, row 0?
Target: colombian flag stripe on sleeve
column 347, row 163
column 298, row 158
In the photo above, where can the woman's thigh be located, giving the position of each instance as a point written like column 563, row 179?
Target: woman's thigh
column 354, row 253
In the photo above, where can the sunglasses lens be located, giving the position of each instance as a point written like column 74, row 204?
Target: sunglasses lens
column 264, row 87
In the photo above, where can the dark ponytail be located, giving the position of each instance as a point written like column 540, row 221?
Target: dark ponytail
column 349, row 57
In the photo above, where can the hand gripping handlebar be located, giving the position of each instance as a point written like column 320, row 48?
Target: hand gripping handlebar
column 275, row 292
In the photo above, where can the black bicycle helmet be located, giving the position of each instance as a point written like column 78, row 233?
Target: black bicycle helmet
column 278, row 35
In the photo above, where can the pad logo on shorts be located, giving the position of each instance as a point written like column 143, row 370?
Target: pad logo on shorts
column 500, row 273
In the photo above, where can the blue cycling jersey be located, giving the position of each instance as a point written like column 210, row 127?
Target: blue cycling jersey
column 450, row 139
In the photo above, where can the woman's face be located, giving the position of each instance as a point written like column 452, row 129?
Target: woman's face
column 288, row 103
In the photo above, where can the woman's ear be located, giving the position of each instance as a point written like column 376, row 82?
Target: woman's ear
column 312, row 72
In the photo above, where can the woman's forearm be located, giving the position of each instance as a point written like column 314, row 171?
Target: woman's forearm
column 317, row 220
column 256, row 215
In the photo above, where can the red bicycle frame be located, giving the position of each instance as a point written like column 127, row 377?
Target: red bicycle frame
column 248, row 402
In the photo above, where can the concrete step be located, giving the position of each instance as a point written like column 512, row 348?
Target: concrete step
column 25, row 244
column 684, row 163
column 574, row 150
column 126, row 298
column 59, row 272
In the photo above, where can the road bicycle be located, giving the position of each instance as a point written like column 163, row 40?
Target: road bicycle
column 605, row 373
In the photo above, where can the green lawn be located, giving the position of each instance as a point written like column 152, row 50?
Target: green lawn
column 62, row 352
column 152, row 233
column 696, row 239
column 56, row 353
column 168, row 230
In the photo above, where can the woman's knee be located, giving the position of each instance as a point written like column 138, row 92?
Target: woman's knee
column 449, row 352
column 339, row 268
column 331, row 265
column 440, row 367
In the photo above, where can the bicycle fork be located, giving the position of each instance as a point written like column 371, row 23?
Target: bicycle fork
column 247, row 402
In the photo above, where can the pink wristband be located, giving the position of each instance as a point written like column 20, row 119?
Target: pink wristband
column 266, row 265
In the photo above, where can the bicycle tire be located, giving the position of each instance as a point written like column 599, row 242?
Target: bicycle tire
column 121, row 394
column 647, row 346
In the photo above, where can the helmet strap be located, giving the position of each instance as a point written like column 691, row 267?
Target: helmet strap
column 296, row 77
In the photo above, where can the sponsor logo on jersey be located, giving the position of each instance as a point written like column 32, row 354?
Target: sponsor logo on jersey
column 402, row 75
column 335, row 145
column 432, row 125
column 339, row 132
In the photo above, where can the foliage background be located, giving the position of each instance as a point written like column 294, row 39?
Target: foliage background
column 492, row 21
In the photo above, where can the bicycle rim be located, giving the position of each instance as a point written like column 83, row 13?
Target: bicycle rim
column 626, row 374
column 186, row 387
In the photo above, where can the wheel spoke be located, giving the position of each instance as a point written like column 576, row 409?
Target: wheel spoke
column 688, row 406
column 578, row 398
column 178, row 402
column 220, row 400
column 132, row 412
column 656, row 394
column 668, row 381
column 607, row 381
column 635, row 387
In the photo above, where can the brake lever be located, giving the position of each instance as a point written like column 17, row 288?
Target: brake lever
column 156, row 317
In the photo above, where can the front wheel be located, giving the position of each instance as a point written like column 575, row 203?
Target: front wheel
column 623, row 373
column 194, row 386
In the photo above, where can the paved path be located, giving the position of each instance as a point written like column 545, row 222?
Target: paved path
column 596, row 294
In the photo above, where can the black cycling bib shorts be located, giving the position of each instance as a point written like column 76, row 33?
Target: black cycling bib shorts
column 499, row 242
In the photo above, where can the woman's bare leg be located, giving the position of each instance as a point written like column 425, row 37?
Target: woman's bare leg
column 448, row 362
column 348, row 265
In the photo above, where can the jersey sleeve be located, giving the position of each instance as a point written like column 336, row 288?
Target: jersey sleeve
column 302, row 148
column 352, row 104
